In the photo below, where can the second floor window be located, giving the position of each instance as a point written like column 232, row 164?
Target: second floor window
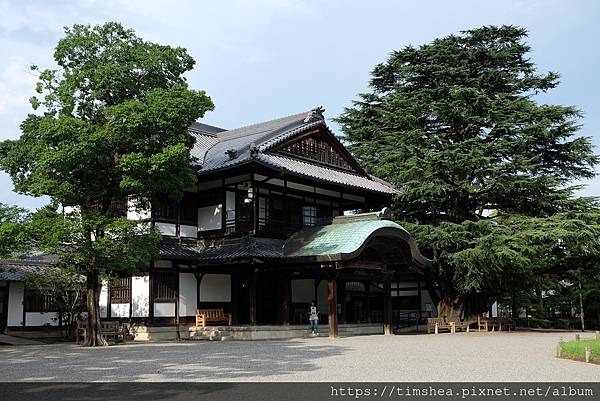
column 164, row 211
column 309, row 215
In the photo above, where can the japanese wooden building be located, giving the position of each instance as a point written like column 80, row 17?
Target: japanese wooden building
column 282, row 214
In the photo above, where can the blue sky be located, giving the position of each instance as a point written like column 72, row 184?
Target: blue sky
column 264, row 59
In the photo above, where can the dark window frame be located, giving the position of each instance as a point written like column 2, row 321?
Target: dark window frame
column 36, row 301
column 165, row 285
column 120, row 290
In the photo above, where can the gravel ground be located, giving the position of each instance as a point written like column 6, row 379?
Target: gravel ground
column 520, row 356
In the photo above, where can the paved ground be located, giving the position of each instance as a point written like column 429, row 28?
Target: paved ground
column 445, row 357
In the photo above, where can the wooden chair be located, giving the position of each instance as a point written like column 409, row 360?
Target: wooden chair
column 81, row 331
column 206, row 316
column 482, row 322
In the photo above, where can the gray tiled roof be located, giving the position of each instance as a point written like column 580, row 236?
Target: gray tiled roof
column 206, row 137
column 242, row 248
column 17, row 269
column 205, row 128
column 302, row 168
column 173, row 249
column 212, row 147
column 241, row 139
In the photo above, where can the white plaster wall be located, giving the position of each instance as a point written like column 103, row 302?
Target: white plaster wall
column 103, row 300
column 187, row 294
column 210, row 218
column 41, row 319
column 215, row 288
column 15, row 304
column 166, row 309
column 303, row 290
column 119, row 310
column 188, row 231
column 495, row 309
column 140, row 296
column 166, row 228
column 136, row 213
column 71, row 210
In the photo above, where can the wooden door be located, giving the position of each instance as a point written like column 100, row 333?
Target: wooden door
column 3, row 307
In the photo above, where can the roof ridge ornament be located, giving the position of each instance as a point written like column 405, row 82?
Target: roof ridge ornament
column 315, row 115
column 253, row 150
column 232, row 153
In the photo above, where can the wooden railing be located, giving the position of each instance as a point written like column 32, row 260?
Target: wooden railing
column 267, row 226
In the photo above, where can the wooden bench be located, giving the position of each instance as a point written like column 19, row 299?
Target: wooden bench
column 206, row 316
column 460, row 326
column 436, row 324
column 507, row 323
column 110, row 330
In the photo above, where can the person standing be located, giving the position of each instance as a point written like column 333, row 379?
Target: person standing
column 313, row 317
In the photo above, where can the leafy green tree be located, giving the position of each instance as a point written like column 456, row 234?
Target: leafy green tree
column 456, row 126
column 13, row 233
column 112, row 126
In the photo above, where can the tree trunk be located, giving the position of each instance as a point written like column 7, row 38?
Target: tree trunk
column 94, row 332
column 449, row 308
column 581, row 315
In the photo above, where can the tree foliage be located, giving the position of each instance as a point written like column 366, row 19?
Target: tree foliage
column 14, row 235
column 456, row 125
column 112, row 126
column 66, row 289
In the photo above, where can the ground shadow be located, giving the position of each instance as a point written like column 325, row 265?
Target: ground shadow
column 169, row 361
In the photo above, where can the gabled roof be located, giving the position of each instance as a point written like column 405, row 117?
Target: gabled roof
column 217, row 150
column 206, row 136
column 262, row 135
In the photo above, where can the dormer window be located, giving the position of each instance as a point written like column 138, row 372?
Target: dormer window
column 317, row 149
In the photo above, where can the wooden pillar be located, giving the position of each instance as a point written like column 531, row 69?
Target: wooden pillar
column 342, row 296
column 387, row 306
column 317, row 281
column 178, row 336
column 151, row 293
column 419, row 311
column 235, row 297
column 367, row 285
column 284, row 295
column 332, row 306
column 108, row 303
column 252, row 295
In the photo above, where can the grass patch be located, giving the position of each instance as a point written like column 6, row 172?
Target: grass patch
column 576, row 350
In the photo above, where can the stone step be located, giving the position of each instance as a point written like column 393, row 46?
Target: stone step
column 210, row 334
